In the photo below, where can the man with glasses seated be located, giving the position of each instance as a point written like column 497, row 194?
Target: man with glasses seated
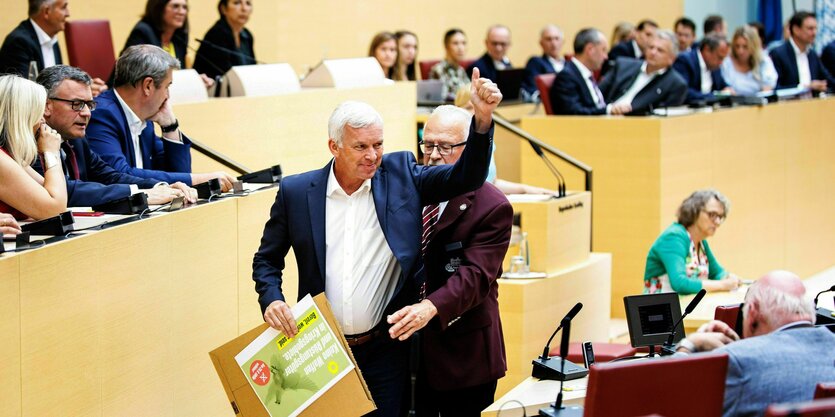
column 90, row 181
column 680, row 260
column 495, row 59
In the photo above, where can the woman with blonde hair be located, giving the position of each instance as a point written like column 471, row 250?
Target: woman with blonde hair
column 748, row 70
column 384, row 48
column 624, row 31
column 23, row 137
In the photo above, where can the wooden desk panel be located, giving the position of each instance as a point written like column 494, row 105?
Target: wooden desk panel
column 10, row 331
column 774, row 163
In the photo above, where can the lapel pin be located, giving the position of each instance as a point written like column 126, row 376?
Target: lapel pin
column 658, row 91
column 462, row 207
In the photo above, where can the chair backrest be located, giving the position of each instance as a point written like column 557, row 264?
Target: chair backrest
column 729, row 314
column 622, row 388
column 262, row 80
column 467, row 62
column 543, row 84
column 426, row 66
column 825, row 390
column 817, row 408
column 90, row 46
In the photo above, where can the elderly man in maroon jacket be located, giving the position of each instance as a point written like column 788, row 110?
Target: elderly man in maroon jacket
column 464, row 243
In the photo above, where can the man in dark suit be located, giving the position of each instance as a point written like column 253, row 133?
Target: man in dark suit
column 685, row 30
column 795, row 60
column 355, row 229
column 645, row 85
column 700, row 68
column 462, row 349
column 90, row 181
column 575, row 92
column 551, row 39
column 828, row 58
column 36, row 38
column 121, row 130
column 636, row 48
column 495, row 59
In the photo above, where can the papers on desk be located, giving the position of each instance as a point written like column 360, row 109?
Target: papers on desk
column 528, row 198
column 536, row 394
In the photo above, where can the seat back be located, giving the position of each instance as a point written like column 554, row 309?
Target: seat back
column 817, row 408
column 90, row 46
column 621, row 388
column 729, row 314
column 426, row 66
column 825, row 390
column 543, row 84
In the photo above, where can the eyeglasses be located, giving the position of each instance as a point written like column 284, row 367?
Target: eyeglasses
column 77, row 105
column 444, row 150
column 715, row 217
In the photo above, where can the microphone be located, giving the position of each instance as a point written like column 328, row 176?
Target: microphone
column 567, row 319
column 832, row 288
column 545, row 367
column 689, row 309
column 557, row 409
column 553, row 169
column 228, row 51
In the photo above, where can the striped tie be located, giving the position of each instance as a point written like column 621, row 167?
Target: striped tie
column 430, row 219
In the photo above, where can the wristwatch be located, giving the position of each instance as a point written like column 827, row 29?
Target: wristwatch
column 170, row 128
column 686, row 345
column 49, row 160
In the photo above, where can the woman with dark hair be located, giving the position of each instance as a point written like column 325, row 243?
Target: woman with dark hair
column 680, row 260
column 228, row 43
column 165, row 24
column 407, row 46
column 384, row 48
column 450, row 70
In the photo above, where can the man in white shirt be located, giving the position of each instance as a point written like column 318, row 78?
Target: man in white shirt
column 783, row 355
column 36, row 40
column 795, row 60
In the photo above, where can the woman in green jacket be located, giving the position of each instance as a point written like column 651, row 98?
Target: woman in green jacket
column 680, row 260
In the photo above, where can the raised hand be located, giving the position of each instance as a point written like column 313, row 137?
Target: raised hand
column 485, row 97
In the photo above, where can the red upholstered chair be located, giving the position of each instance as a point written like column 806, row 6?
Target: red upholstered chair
column 729, row 315
column 603, row 352
column 825, row 390
column 647, row 386
column 817, row 408
column 90, row 47
column 426, row 66
column 543, row 84
column 467, row 62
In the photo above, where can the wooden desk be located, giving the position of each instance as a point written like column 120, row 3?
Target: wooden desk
column 774, row 163
column 535, row 394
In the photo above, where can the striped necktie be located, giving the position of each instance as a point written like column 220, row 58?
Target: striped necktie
column 430, row 219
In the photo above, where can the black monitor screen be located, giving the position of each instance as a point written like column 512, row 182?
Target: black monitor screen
column 655, row 319
column 650, row 318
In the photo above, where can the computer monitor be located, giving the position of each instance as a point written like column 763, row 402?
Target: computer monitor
column 510, row 83
column 650, row 318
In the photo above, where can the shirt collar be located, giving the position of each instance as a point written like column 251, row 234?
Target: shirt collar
column 43, row 38
column 334, row 187
column 656, row 73
column 585, row 72
column 135, row 124
column 637, row 49
column 799, row 323
column 702, row 64
column 797, row 48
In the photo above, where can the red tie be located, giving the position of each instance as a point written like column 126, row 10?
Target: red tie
column 73, row 162
column 430, row 219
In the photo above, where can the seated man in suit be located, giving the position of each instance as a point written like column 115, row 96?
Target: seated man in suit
column 36, row 39
column 783, row 355
column 575, row 92
column 700, row 68
column 828, row 58
column 551, row 39
column 495, row 59
column 795, row 60
column 90, row 181
column 121, row 130
column 355, row 227
column 685, row 33
column 465, row 240
column 644, row 85
column 636, row 48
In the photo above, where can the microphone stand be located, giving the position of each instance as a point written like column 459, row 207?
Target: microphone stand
column 668, row 347
column 556, row 409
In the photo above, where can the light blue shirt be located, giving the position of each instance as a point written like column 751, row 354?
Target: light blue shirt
column 744, row 83
column 491, row 172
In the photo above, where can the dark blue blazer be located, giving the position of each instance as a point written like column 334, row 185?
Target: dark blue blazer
column 486, row 68
column 785, row 62
column 828, row 58
column 97, row 182
column 400, row 188
column 20, row 48
column 570, row 95
column 687, row 65
column 109, row 137
column 665, row 90
column 537, row 65
column 623, row 49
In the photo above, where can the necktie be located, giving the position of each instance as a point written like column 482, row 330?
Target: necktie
column 430, row 219
column 74, row 174
column 601, row 102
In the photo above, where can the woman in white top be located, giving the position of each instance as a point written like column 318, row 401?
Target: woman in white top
column 747, row 69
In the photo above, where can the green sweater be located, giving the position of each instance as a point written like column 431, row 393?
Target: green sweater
column 668, row 256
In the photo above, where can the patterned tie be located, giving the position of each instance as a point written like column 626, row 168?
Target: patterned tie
column 74, row 174
column 601, row 102
column 430, row 219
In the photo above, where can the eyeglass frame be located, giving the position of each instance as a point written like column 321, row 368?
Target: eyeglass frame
column 714, row 216
column 81, row 104
column 441, row 152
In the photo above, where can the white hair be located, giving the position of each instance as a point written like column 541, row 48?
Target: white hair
column 549, row 27
column 777, row 307
column 355, row 114
column 453, row 115
column 668, row 36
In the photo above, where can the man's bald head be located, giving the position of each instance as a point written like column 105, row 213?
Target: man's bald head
column 775, row 300
column 448, row 126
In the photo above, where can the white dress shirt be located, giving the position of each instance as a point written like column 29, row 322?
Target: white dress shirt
column 361, row 271
column 707, row 80
column 637, row 49
column 804, row 75
column 558, row 64
column 587, row 75
column 47, row 44
column 502, row 65
column 641, row 81
column 136, row 126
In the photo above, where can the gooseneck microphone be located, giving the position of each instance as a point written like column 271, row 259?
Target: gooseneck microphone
column 553, row 169
column 556, row 409
column 228, row 51
column 832, row 288
column 565, row 320
column 689, row 309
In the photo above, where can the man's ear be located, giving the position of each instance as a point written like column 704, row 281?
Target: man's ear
column 333, row 147
column 147, row 86
column 47, row 110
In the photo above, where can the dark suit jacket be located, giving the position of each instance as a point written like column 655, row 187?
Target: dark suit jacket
column 665, row 90
column 785, row 62
column 97, row 182
column 570, row 95
column 143, row 33
column 687, row 65
column 537, row 65
column 623, row 49
column 828, row 58
column 485, row 67
column 109, row 136
column 214, row 61
column 22, row 47
column 463, row 346
column 400, row 188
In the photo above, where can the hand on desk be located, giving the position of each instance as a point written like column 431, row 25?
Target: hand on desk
column 410, row 319
column 8, row 225
column 712, row 335
column 279, row 317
